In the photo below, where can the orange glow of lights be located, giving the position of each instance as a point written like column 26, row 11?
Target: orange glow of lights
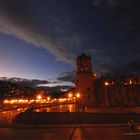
column 78, row 95
column 39, row 97
column 130, row 82
column 48, row 98
column 95, row 75
column 6, row 101
column 31, row 101
column 106, row 83
column 70, row 95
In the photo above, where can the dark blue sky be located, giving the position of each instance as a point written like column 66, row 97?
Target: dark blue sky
column 41, row 39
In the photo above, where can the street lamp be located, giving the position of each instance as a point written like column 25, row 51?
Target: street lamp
column 70, row 95
column 39, row 97
column 130, row 82
column 106, row 83
column 48, row 98
column 78, row 96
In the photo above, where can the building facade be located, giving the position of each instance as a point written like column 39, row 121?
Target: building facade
column 84, row 80
column 105, row 91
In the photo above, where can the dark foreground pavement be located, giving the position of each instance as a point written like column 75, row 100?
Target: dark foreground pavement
column 39, row 118
column 70, row 132
column 61, row 126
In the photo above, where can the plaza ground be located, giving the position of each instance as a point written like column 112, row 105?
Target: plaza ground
column 12, row 131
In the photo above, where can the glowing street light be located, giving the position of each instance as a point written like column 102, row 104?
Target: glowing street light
column 130, row 82
column 70, row 95
column 78, row 95
column 106, row 83
column 39, row 97
column 48, row 98
column 6, row 101
column 60, row 99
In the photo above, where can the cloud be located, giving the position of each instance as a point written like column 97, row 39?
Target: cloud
column 132, row 65
column 17, row 19
column 24, row 82
column 120, row 43
column 68, row 76
column 63, row 79
column 118, row 31
column 113, row 3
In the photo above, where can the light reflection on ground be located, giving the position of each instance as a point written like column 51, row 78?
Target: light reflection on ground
column 60, row 108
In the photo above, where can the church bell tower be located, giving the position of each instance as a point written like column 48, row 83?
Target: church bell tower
column 84, row 80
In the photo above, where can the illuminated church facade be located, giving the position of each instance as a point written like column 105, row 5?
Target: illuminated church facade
column 105, row 91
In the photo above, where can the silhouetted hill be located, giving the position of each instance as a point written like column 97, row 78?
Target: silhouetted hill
column 55, row 91
column 24, row 82
column 19, row 87
column 12, row 90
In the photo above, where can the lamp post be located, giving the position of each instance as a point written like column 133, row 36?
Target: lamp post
column 106, row 94
column 78, row 96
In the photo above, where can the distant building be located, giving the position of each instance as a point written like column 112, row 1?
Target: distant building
column 105, row 91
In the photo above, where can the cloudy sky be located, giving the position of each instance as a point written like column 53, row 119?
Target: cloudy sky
column 41, row 38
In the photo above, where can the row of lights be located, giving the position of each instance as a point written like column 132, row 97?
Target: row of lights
column 40, row 99
column 111, row 83
column 70, row 98
column 70, row 95
column 24, row 101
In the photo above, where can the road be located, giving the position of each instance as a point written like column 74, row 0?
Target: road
column 6, row 117
column 63, row 132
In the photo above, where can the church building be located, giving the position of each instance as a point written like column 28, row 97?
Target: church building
column 105, row 91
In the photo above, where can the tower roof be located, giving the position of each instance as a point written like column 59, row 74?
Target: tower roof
column 83, row 56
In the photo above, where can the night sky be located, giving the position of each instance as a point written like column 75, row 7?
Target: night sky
column 40, row 39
